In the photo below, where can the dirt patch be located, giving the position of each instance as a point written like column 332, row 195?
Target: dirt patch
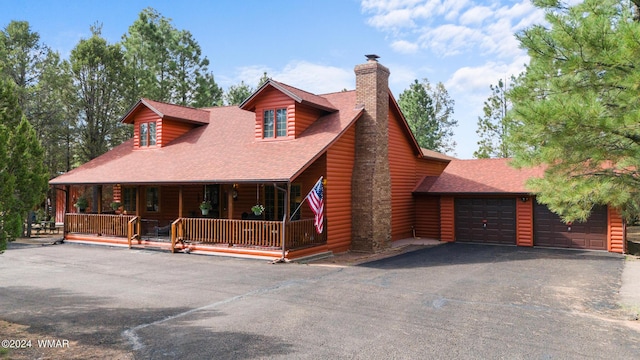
column 18, row 342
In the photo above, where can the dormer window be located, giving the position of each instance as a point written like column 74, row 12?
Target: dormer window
column 274, row 123
column 148, row 134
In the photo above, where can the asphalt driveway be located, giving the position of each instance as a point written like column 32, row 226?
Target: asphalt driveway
column 449, row 301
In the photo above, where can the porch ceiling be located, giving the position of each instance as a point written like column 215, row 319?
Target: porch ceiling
column 224, row 151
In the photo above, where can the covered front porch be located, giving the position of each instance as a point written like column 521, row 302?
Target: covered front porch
column 172, row 216
column 256, row 238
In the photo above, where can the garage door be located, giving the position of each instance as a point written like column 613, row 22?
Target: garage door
column 486, row 220
column 550, row 230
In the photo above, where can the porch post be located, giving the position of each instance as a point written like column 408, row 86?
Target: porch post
column 180, row 203
column 67, row 199
column 285, row 218
column 230, row 203
column 138, row 207
column 99, row 199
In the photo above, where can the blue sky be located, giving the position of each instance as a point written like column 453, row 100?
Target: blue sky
column 314, row 45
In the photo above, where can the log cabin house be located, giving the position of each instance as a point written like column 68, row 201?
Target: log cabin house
column 379, row 185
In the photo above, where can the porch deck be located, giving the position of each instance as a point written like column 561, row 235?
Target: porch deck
column 245, row 238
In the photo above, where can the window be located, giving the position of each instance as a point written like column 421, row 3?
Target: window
column 212, row 195
column 129, row 199
column 144, row 134
column 274, row 202
column 147, row 134
column 274, row 123
column 152, row 133
column 153, row 199
column 281, row 123
column 268, row 124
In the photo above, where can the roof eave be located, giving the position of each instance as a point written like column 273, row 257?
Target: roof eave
column 160, row 182
column 467, row 193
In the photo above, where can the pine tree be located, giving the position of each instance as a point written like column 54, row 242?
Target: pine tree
column 236, row 94
column 493, row 127
column 98, row 69
column 576, row 108
column 429, row 113
column 22, row 172
column 167, row 64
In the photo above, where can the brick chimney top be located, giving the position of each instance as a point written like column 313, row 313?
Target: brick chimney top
column 372, row 57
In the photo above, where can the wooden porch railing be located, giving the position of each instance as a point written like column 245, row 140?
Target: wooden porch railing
column 245, row 233
column 224, row 231
column 176, row 233
column 99, row 224
column 301, row 233
column 255, row 233
column 133, row 230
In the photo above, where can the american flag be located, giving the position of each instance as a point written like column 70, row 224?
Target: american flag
column 316, row 203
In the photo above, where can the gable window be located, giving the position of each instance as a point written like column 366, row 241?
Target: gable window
column 148, row 134
column 281, row 122
column 274, row 123
column 268, row 124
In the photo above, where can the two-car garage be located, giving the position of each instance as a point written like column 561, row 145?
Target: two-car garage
column 494, row 220
column 487, row 201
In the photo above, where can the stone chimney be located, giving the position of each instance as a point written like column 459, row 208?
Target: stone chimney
column 371, row 187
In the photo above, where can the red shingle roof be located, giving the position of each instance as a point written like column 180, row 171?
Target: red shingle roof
column 298, row 95
column 479, row 176
column 225, row 150
column 164, row 110
column 435, row 155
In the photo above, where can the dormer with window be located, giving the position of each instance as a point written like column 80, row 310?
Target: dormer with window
column 156, row 124
column 284, row 112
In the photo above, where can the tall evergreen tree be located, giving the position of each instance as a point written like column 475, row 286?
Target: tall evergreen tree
column 493, row 126
column 576, row 108
column 43, row 85
column 263, row 79
column 98, row 72
column 236, row 94
column 166, row 63
column 21, row 55
column 22, row 172
column 429, row 112
column 208, row 93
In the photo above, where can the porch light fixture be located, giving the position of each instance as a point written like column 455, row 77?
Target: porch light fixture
column 524, row 199
column 234, row 192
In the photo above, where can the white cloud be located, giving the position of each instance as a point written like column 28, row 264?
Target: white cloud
column 450, row 39
column 392, row 20
column 387, row 5
column 314, row 78
column 476, row 15
column 451, row 8
column 404, row 47
column 452, row 27
column 476, row 79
